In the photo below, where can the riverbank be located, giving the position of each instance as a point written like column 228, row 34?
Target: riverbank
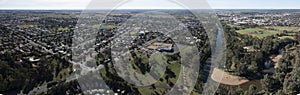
column 226, row 78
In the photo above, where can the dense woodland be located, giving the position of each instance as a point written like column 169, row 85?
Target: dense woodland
column 251, row 65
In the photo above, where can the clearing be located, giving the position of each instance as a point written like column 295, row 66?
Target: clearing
column 261, row 32
column 226, row 78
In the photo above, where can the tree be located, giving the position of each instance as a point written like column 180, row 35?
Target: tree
column 253, row 68
column 251, row 90
column 269, row 84
column 242, row 69
column 292, row 84
column 279, row 92
column 235, row 91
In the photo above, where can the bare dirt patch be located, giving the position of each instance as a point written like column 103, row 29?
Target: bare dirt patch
column 276, row 59
column 227, row 79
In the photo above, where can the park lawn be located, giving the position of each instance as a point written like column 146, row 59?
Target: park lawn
column 135, row 67
column 145, row 90
column 159, row 58
column 285, row 37
column 144, row 59
column 185, row 49
column 96, row 26
column 248, row 31
column 132, row 33
column 63, row 29
column 288, row 28
column 176, row 68
column 254, row 32
column 103, row 74
column 269, row 31
column 106, row 26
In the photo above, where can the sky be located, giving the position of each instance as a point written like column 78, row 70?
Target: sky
column 150, row 4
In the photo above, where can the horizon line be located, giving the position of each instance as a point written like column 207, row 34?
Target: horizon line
column 166, row 9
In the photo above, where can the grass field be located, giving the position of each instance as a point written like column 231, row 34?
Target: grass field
column 258, row 32
column 282, row 28
column 262, row 32
column 161, row 86
column 63, row 29
column 284, row 37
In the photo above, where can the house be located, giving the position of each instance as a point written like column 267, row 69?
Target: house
column 241, row 23
column 269, row 64
column 250, row 49
column 162, row 47
column 31, row 59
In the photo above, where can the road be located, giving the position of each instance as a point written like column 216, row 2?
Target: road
column 86, row 69
column 43, row 88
